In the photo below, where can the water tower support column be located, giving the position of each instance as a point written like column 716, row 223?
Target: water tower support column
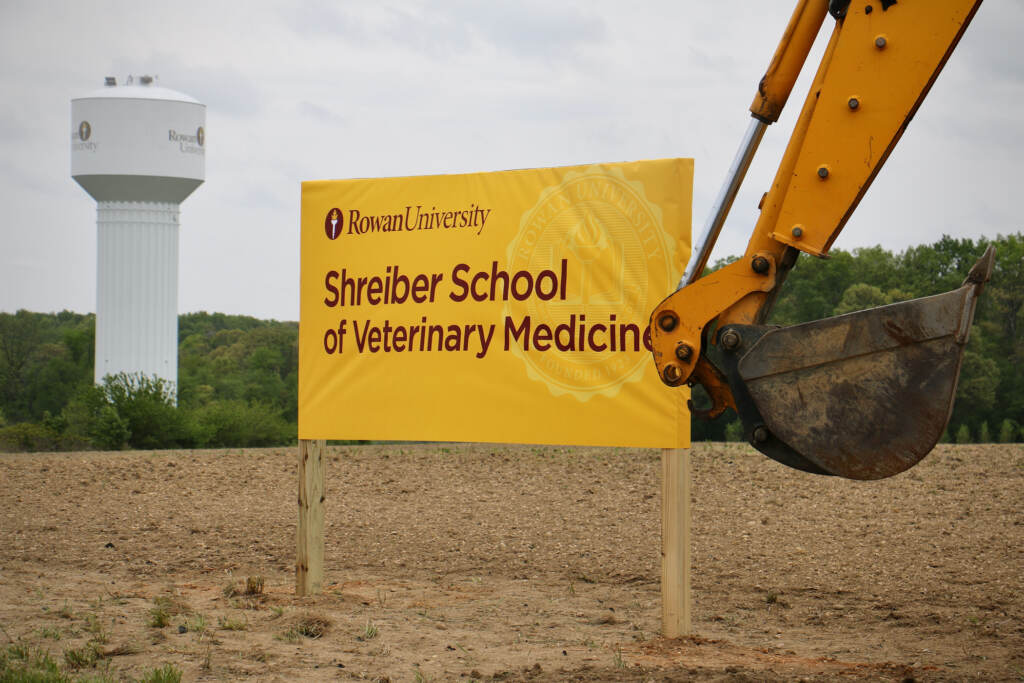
column 137, row 289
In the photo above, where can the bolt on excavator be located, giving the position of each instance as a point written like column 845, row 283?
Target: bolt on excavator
column 864, row 395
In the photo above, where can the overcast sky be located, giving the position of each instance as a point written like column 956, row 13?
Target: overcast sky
column 311, row 90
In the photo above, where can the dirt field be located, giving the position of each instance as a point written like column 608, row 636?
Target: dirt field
column 513, row 563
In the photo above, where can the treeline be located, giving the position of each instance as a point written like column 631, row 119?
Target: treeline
column 990, row 396
column 238, row 376
column 237, row 386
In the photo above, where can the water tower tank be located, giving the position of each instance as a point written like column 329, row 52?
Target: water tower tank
column 139, row 150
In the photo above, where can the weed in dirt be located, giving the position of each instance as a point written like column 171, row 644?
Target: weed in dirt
column 382, row 599
column 196, row 624
column 94, row 627
column 306, row 625
column 82, row 657
column 276, row 611
column 369, row 632
column 617, row 659
column 158, row 617
column 165, row 607
column 52, row 633
column 229, row 624
column 65, row 611
column 168, row 673
column 419, row 677
column 290, row 635
column 771, row 598
column 254, row 585
column 20, row 663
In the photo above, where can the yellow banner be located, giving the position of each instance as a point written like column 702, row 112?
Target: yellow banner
column 502, row 307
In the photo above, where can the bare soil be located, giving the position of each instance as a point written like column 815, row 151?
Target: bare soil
column 494, row 562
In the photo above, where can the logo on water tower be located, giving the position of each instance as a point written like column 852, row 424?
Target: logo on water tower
column 334, row 223
column 200, row 136
column 84, row 131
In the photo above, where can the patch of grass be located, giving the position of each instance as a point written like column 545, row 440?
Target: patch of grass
column 369, row 632
column 94, row 627
column 306, row 625
column 229, row 624
column 82, row 657
column 254, row 585
column 290, row 635
column 165, row 607
column 158, row 617
column 276, row 611
column 168, row 673
column 196, row 624
column 20, row 663
column 52, row 633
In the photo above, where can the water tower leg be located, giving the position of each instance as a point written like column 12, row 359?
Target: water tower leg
column 309, row 563
column 137, row 289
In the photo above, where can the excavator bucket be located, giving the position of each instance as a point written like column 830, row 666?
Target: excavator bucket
column 863, row 396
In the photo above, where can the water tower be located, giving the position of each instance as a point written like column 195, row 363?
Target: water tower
column 139, row 151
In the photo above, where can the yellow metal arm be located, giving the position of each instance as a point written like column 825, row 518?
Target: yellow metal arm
column 778, row 80
column 880, row 63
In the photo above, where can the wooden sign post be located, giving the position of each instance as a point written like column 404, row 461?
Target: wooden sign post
column 675, row 542
column 675, row 532
column 309, row 563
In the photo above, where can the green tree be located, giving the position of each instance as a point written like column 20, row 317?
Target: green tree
column 963, row 434
column 20, row 337
column 1007, row 431
column 146, row 405
column 984, row 436
column 859, row 297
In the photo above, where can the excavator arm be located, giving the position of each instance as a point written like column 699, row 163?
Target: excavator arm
column 868, row 394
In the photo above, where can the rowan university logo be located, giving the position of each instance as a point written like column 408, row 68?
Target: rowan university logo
column 619, row 260
column 334, row 223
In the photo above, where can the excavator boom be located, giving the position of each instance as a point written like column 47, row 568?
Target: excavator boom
column 862, row 396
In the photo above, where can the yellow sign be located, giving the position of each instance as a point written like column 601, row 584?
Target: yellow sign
column 502, row 307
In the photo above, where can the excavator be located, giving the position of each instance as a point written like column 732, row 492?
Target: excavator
column 864, row 395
